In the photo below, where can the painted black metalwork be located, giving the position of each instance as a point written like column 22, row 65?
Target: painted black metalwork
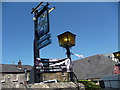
column 41, row 34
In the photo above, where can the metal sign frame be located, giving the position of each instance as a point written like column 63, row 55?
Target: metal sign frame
column 42, row 36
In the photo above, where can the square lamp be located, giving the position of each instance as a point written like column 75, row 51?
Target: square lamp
column 66, row 39
column 117, row 54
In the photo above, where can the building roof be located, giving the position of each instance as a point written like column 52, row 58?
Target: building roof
column 11, row 68
column 93, row 67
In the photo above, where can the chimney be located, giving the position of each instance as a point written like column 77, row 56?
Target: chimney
column 13, row 62
column 19, row 64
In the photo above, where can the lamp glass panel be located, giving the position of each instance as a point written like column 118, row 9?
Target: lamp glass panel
column 117, row 55
column 63, row 39
column 71, row 39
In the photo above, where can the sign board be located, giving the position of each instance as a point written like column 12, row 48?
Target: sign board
column 54, row 65
column 43, row 38
column 46, row 37
column 42, row 33
column 45, row 43
column 43, row 23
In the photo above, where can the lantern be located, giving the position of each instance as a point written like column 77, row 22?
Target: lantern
column 117, row 54
column 66, row 39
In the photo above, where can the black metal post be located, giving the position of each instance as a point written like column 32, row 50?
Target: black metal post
column 36, row 50
column 35, row 36
column 35, row 55
column 68, row 53
column 69, row 56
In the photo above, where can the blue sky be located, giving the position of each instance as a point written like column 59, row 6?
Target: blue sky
column 95, row 26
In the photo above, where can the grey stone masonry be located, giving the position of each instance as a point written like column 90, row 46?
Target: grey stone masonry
column 51, row 86
column 12, row 80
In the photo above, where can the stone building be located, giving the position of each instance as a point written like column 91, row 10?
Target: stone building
column 93, row 67
column 14, row 75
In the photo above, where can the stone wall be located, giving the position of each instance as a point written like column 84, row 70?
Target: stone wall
column 13, row 80
column 50, row 86
column 57, row 86
column 56, row 75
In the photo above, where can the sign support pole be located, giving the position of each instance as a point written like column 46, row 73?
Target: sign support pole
column 41, row 36
column 36, row 50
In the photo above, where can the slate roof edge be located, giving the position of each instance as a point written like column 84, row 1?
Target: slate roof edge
column 15, row 68
column 89, row 57
column 15, row 64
